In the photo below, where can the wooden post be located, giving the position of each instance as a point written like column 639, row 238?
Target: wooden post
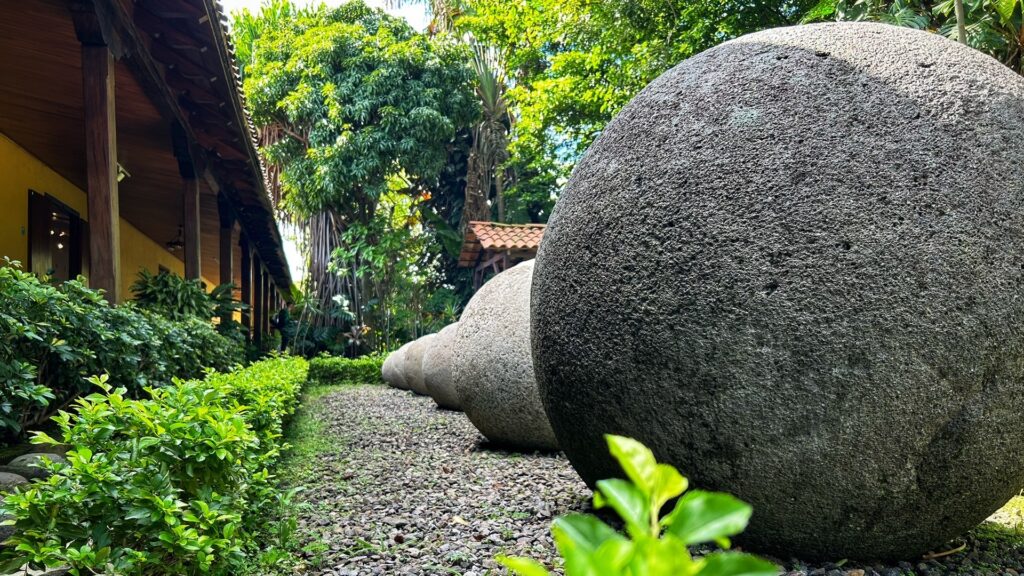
column 189, row 168
column 227, row 225
column 257, row 298
column 190, row 202
column 101, row 170
column 246, row 286
column 267, row 290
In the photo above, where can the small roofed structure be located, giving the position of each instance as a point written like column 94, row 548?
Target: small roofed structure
column 492, row 247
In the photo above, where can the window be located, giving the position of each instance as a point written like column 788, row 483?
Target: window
column 56, row 238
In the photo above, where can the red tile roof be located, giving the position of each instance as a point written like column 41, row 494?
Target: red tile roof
column 497, row 237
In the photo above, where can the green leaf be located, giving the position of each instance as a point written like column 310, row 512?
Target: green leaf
column 734, row 564
column 582, row 532
column 1005, row 9
column 706, row 516
column 668, row 483
column 636, row 460
column 523, row 566
column 628, row 501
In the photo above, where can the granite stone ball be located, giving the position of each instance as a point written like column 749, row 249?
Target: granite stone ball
column 388, row 371
column 399, row 367
column 35, row 460
column 492, row 366
column 437, row 369
column 413, row 364
column 793, row 266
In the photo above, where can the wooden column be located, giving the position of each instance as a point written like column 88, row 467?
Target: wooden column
column 246, row 286
column 190, row 219
column 257, row 298
column 101, row 170
column 227, row 226
column 189, row 168
column 267, row 291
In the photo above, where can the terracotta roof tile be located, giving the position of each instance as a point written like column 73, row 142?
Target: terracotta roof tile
column 497, row 237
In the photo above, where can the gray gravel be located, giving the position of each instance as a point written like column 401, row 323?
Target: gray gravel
column 398, row 486
column 411, row 489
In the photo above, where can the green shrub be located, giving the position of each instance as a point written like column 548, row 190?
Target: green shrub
column 176, row 298
column 654, row 545
column 52, row 337
column 177, row 483
column 337, row 370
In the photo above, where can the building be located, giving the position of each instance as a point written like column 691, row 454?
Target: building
column 125, row 144
column 491, row 247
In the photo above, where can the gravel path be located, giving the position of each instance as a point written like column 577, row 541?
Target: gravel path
column 395, row 486
column 410, row 489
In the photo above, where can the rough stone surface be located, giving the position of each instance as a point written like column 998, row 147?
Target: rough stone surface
column 28, row 472
column 34, row 460
column 399, row 367
column 388, row 370
column 437, row 369
column 10, row 481
column 493, row 367
column 793, row 267
column 413, row 363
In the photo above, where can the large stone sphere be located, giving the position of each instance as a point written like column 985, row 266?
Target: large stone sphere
column 794, row 267
column 492, row 365
column 413, row 363
column 437, row 369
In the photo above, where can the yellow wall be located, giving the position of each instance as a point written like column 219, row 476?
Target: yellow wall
column 21, row 172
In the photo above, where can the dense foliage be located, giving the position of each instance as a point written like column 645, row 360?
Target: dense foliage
column 359, row 116
column 176, row 483
column 176, row 298
column 338, row 370
column 53, row 336
column 654, row 544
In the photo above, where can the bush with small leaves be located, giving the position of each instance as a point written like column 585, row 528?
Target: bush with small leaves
column 337, row 370
column 177, row 483
column 654, row 544
column 53, row 336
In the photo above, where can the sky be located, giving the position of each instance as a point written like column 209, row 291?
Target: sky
column 413, row 12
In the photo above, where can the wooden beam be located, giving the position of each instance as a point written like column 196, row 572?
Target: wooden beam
column 246, row 265
column 101, row 170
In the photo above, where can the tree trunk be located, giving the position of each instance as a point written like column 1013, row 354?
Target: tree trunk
column 499, row 188
column 961, row 21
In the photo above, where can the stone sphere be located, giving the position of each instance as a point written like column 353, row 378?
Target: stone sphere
column 437, row 369
column 389, row 371
column 492, row 364
column 793, row 266
column 413, row 364
column 398, row 367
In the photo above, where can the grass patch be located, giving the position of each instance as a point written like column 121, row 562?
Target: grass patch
column 308, row 438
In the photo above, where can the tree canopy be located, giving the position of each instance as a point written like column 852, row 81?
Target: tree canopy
column 359, row 98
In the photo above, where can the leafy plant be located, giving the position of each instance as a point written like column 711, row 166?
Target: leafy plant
column 336, row 370
column 171, row 295
column 176, row 483
column 53, row 336
column 654, row 544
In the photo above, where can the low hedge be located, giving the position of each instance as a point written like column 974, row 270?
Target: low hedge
column 176, row 483
column 53, row 336
column 337, row 370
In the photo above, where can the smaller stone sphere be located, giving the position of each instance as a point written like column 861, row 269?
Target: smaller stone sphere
column 389, row 372
column 413, row 364
column 437, row 369
column 492, row 364
column 398, row 365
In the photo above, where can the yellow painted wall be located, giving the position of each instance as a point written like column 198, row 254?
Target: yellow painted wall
column 21, row 172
